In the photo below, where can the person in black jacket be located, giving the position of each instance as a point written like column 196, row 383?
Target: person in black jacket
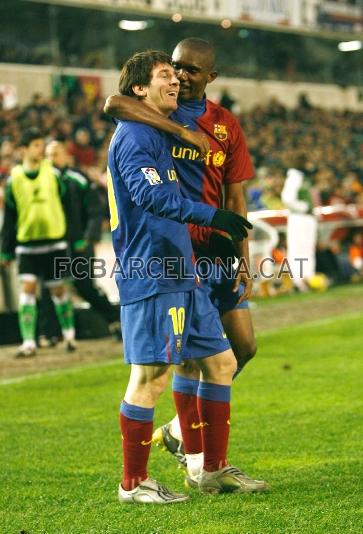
column 84, row 213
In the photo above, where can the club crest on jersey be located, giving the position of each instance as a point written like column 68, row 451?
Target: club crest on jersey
column 178, row 344
column 151, row 175
column 220, row 132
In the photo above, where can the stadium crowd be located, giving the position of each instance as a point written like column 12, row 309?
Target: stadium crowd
column 332, row 141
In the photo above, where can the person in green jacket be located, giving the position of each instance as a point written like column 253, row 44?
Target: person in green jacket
column 35, row 231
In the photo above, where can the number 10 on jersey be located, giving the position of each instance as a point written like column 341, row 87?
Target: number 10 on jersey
column 178, row 319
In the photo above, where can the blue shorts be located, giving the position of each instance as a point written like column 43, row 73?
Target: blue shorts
column 171, row 327
column 219, row 287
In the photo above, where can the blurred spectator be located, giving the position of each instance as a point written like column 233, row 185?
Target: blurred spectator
column 356, row 252
column 301, row 223
column 226, row 100
column 282, row 280
column 271, row 197
column 83, row 210
column 83, row 154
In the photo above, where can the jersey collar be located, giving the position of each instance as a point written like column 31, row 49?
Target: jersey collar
column 194, row 107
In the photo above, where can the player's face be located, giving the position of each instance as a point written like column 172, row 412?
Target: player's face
column 193, row 71
column 35, row 150
column 162, row 93
column 57, row 155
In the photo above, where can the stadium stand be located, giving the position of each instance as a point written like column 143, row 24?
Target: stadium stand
column 332, row 140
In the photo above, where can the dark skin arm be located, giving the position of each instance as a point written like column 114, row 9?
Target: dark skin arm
column 127, row 108
column 235, row 201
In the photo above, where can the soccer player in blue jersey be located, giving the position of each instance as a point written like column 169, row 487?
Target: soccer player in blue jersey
column 165, row 315
column 218, row 136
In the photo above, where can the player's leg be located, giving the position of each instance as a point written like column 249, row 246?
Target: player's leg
column 213, row 399
column 150, row 345
column 27, row 315
column 146, row 383
column 64, row 311
column 237, row 324
column 48, row 328
column 60, row 295
column 169, row 436
column 214, row 412
column 186, row 429
column 208, row 345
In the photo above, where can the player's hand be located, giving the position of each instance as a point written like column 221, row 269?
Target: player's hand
column 221, row 247
column 228, row 221
column 242, row 277
column 197, row 139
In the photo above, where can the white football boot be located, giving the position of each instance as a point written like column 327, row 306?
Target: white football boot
column 229, row 479
column 150, row 492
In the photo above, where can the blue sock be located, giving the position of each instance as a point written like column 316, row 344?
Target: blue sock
column 188, row 386
column 214, row 392
column 138, row 413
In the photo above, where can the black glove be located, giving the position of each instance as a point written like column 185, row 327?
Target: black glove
column 230, row 222
column 221, row 247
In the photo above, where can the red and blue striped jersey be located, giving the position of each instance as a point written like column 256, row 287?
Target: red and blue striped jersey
column 228, row 160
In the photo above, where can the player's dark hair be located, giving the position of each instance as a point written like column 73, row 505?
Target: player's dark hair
column 29, row 135
column 202, row 46
column 138, row 69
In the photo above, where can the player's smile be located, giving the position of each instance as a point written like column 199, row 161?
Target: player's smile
column 173, row 94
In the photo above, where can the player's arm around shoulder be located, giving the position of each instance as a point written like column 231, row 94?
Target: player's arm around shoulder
column 129, row 109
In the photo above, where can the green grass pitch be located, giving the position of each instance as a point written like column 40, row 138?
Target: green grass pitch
column 295, row 422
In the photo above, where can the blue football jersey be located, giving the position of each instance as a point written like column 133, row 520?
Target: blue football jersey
column 148, row 212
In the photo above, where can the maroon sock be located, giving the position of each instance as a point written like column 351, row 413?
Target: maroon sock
column 187, row 409
column 136, row 444
column 214, row 417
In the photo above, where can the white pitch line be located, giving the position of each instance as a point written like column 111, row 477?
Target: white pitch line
column 108, row 363
column 57, row 372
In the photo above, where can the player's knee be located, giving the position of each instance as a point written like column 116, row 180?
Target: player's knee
column 221, row 368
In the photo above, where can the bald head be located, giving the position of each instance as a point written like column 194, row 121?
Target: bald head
column 193, row 60
column 201, row 47
column 56, row 152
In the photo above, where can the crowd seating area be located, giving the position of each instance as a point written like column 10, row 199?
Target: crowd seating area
column 333, row 142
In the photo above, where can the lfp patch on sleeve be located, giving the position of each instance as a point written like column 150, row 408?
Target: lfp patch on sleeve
column 151, row 175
